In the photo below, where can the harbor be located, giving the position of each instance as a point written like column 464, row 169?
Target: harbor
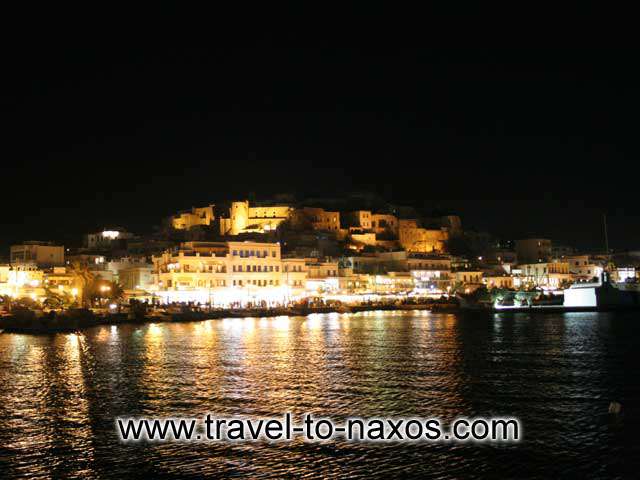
column 75, row 320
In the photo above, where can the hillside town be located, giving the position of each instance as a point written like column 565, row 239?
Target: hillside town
column 277, row 253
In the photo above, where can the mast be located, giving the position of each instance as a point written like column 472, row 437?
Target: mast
column 606, row 236
column 609, row 267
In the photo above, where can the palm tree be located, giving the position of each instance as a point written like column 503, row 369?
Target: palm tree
column 83, row 280
column 57, row 299
column 116, row 292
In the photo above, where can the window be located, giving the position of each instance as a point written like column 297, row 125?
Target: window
column 273, row 253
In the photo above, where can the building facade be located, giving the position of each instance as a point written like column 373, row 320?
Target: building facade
column 197, row 216
column 226, row 273
column 317, row 218
column 415, row 239
column 42, row 254
column 244, row 218
column 548, row 275
column 583, row 268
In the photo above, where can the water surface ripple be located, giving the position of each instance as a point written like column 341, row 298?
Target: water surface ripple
column 59, row 394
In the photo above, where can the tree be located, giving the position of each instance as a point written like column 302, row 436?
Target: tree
column 83, row 281
column 101, row 290
column 57, row 299
column 116, row 292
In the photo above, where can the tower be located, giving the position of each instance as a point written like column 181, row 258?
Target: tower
column 239, row 213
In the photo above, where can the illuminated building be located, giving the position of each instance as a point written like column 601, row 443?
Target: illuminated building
column 360, row 240
column 295, row 275
column 625, row 274
column 197, row 216
column 393, row 283
column 414, row 238
column 223, row 273
column 322, row 269
column 469, row 279
column 322, row 276
column 365, row 228
column 241, row 217
column 430, row 272
column 429, row 262
column 136, row 277
column 374, row 222
column 42, row 254
column 244, row 218
column 60, row 279
column 383, row 223
column 22, row 281
column 498, row 281
column 583, row 268
column 548, row 275
column 358, row 219
column 317, row 218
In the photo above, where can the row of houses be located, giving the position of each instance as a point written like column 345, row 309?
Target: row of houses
column 226, row 272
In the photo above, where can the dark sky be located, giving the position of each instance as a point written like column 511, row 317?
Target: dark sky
column 518, row 142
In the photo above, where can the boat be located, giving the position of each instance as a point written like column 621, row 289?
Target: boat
column 602, row 295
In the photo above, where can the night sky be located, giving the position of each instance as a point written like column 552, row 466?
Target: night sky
column 518, row 142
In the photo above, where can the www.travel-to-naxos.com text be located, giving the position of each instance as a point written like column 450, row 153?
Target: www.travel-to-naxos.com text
column 312, row 429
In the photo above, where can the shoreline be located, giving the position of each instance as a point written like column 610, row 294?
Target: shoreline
column 69, row 322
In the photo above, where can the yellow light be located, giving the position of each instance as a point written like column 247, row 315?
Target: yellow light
column 74, row 291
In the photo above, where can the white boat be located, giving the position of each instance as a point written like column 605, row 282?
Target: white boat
column 602, row 294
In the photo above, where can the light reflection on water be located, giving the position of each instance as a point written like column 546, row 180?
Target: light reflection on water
column 59, row 394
